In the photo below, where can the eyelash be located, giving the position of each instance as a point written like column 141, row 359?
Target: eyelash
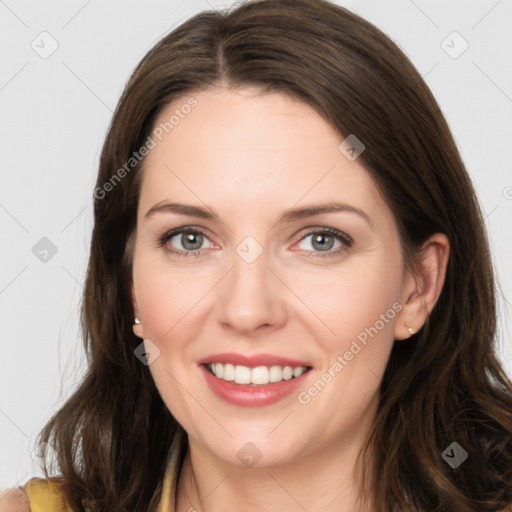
column 339, row 235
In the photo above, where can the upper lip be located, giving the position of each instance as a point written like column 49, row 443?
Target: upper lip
column 253, row 361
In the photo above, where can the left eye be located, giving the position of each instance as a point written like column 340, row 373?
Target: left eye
column 323, row 241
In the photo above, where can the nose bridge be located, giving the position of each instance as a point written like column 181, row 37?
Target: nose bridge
column 250, row 295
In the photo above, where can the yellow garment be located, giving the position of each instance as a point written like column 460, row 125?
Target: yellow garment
column 44, row 496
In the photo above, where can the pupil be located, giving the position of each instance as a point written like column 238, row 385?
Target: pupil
column 189, row 238
column 319, row 238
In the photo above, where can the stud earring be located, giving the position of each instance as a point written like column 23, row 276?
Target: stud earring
column 409, row 328
column 137, row 321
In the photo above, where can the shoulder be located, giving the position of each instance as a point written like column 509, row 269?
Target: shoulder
column 14, row 500
column 37, row 495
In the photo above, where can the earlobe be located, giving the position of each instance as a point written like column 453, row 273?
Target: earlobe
column 137, row 329
column 422, row 289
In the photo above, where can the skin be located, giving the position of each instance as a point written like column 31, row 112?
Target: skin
column 249, row 157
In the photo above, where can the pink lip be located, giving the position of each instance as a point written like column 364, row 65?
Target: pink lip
column 249, row 395
column 252, row 361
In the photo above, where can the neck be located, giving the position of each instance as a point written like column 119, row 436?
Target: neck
column 324, row 481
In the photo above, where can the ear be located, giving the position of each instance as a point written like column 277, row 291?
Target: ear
column 137, row 328
column 422, row 288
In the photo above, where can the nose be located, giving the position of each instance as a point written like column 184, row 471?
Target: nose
column 251, row 298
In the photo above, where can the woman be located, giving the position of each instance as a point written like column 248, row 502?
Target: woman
column 327, row 341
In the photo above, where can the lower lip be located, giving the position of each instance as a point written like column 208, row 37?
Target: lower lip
column 252, row 396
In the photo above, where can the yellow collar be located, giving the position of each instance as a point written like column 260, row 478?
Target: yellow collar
column 170, row 484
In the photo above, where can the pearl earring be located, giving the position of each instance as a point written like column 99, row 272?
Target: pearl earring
column 137, row 321
column 409, row 328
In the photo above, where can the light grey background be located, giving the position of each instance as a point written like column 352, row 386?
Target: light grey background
column 55, row 112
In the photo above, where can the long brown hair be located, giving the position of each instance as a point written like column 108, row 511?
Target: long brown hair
column 443, row 385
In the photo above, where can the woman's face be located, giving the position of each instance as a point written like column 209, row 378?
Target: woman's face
column 256, row 283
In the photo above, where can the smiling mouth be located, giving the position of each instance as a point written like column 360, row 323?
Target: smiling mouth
column 255, row 376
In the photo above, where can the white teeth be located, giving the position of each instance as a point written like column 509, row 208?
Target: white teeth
column 276, row 374
column 287, row 372
column 229, row 372
column 297, row 372
column 242, row 375
column 258, row 375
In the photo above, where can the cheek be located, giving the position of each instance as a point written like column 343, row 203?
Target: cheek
column 359, row 305
column 360, row 310
column 168, row 302
column 363, row 322
column 166, row 295
column 348, row 300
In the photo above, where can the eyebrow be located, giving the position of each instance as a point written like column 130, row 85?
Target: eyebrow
column 290, row 215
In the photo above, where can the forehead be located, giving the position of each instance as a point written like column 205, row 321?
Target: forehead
column 243, row 120
column 249, row 150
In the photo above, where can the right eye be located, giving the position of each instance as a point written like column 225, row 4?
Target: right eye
column 191, row 239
